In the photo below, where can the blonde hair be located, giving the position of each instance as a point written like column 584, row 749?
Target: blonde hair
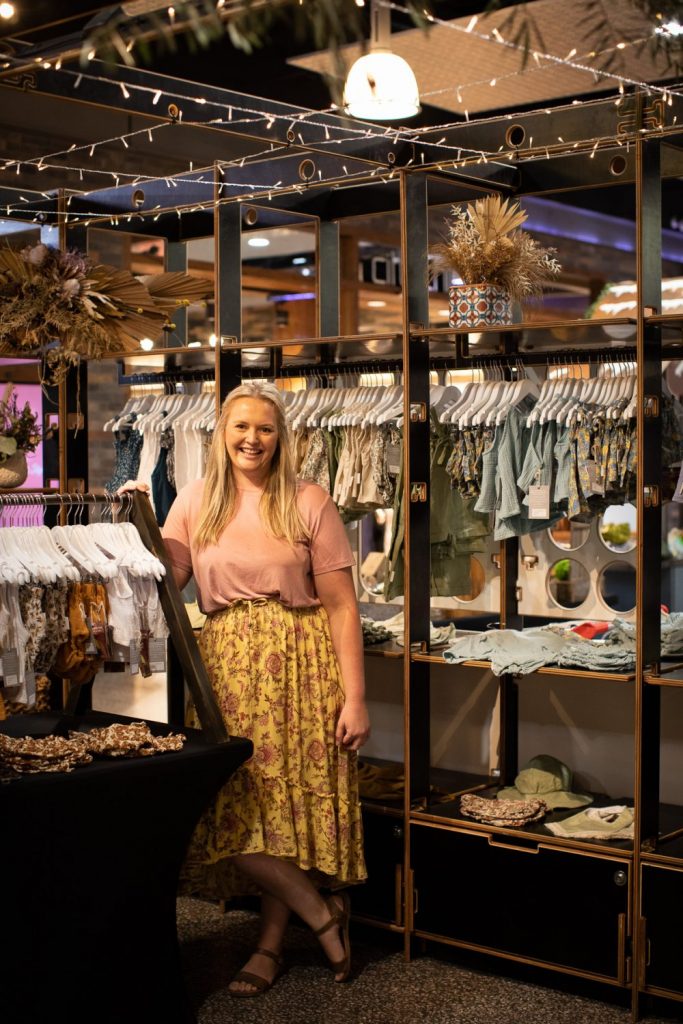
column 278, row 508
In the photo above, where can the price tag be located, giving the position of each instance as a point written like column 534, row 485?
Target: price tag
column 157, row 654
column 134, row 657
column 596, row 482
column 678, row 493
column 539, row 502
column 10, row 668
column 30, row 689
column 393, row 455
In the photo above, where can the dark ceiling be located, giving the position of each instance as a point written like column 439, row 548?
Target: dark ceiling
column 264, row 72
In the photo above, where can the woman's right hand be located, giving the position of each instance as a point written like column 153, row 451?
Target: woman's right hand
column 133, row 485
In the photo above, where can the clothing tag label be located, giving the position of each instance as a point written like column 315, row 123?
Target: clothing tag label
column 539, row 502
column 596, row 483
column 10, row 668
column 393, row 456
column 134, row 657
column 157, row 654
column 678, row 493
column 30, row 688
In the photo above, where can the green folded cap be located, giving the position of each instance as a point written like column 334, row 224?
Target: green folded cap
column 548, row 779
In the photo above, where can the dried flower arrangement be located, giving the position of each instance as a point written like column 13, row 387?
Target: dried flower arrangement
column 61, row 306
column 485, row 245
column 19, row 430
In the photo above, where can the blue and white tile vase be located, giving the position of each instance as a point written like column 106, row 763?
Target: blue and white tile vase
column 478, row 305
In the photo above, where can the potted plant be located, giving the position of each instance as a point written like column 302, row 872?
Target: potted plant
column 496, row 261
column 19, row 434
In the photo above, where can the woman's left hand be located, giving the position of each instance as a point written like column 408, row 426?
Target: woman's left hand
column 353, row 726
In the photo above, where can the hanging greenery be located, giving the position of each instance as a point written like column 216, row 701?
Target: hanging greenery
column 330, row 24
column 62, row 307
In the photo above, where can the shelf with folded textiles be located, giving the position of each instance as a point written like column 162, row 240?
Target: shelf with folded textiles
column 534, row 834
column 548, row 670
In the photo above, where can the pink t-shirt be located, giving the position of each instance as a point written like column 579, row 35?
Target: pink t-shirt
column 248, row 563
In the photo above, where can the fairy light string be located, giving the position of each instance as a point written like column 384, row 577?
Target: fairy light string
column 258, row 192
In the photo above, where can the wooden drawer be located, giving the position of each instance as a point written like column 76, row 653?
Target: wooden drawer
column 543, row 904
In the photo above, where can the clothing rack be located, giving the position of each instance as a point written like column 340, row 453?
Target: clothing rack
column 165, row 376
column 186, row 666
column 566, row 357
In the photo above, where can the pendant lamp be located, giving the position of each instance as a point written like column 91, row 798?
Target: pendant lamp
column 381, row 86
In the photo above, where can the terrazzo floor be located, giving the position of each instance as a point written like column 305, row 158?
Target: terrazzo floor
column 384, row 989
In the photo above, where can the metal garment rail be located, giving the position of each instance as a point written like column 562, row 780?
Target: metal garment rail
column 190, row 667
column 392, row 364
column 166, row 376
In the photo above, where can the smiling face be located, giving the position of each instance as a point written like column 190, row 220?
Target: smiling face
column 251, row 439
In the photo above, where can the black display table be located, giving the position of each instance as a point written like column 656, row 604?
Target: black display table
column 90, row 864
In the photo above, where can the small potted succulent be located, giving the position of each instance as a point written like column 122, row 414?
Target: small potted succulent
column 496, row 261
column 19, row 434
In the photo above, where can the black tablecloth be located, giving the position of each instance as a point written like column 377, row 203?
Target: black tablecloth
column 90, row 864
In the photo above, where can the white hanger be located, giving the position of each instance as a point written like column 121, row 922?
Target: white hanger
column 13, row 568
column 446, row 399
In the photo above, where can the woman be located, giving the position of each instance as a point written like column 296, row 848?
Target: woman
column 271, row 561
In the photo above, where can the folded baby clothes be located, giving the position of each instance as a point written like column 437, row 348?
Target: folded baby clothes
column 502, row 812
column 614, row 822
column 374, row 632
column 672, row 634
column 510, row 651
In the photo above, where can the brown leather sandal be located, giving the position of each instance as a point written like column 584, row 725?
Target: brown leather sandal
column 339, row 917
column 258, row 984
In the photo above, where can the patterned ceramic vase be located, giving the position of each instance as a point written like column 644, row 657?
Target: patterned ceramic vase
column 478, row 305
column 13, row 471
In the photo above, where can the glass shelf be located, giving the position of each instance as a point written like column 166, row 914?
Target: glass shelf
column 668, row 847
column 535, row 339
column 387, row 649
column 671, row 676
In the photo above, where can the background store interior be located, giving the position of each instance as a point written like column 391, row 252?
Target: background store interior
column 594, row 234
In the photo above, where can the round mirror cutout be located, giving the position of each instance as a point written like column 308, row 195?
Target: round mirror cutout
column 478, row 581
column 617, row 586
column 568, row 535
column 617, row 528
column 568, row 583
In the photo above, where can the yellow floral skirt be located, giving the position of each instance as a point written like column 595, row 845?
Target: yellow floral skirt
column 277, row 682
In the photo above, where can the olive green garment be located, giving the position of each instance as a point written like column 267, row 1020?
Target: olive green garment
column 545, row 777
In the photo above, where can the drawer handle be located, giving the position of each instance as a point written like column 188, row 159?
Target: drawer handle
column 513, row 846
